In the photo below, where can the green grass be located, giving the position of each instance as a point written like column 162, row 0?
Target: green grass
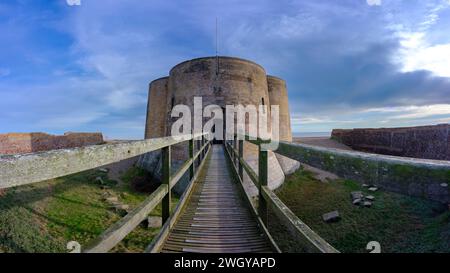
column 44, row 216
column 400, row 223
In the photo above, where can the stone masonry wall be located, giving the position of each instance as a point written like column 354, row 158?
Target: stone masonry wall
column 423, row 178
column 429, row 142
column 20, row 143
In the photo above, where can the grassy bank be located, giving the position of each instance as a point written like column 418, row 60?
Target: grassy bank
column 399, row 223
column 44, row 216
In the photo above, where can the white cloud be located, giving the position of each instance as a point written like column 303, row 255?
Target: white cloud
column 418, row 52
column 373, row 2
column 70, row 120
column 412, row 112
column 418, row 55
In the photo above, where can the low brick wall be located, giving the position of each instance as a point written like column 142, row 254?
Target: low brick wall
column 20, row 143
column 429, row 142
column 429, row 179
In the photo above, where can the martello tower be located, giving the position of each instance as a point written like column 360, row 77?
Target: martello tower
column 220, row 81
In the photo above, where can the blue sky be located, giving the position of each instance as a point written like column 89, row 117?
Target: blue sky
column 347, row 63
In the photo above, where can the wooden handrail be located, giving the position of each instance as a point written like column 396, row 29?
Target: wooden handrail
column 25, row 169
column 115, row 233
column 314, row 243
column 176, row 177
column 252, row 174
column 311, row 240
column 16, row 170
column 158, row 240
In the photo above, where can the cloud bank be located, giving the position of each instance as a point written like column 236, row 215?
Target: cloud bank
column 87, row 67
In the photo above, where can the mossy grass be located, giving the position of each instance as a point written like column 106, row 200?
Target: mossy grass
column 44, row 216
column 400, row 223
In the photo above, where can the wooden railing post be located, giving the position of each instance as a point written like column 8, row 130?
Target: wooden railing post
column 166, row 202
column 235, row 148
column 203, row 144
column 262, row 177
column 191, row 156
column 241, row 157
column 199, row 146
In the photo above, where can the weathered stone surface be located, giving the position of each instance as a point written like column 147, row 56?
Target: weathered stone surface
column 356, row 195
column 154, row 222
column 367, row 204
column 104, row 170
column 370, row 197
column 373, row 189
column 430, row 142
column 122, row 209
column 112, row 199
column 396, row 174
column 100, row 180
column 331, row 216
column 357, row 201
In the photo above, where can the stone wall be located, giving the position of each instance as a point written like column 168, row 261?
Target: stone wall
column 423, row 178
column 429, row 142
column 20, row 143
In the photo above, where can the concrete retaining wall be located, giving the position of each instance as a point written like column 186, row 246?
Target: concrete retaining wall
column 424, row 178
column 429, row 142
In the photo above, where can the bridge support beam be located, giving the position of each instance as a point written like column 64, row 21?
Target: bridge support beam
column 191, row 156
column 166, row 202
column 241, row 156
column 235, row 148
column 262, row 177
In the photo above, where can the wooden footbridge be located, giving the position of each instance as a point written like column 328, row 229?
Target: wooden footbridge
column 216, row 219
column 214, row 214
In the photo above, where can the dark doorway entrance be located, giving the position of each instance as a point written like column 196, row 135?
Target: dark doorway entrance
column 216, row 140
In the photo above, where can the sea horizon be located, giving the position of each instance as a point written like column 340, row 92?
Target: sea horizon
column 311, row 134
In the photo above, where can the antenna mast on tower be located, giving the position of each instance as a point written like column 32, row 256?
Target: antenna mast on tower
column 217, row 49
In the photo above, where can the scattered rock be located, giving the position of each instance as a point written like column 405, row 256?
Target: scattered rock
column 357, row 201
column 123, row 206
column 367, row 204
column 106, row 194
column 122, row 209
column 103, row 170
column 331, row 216
column 104, row 187
column 370, row 197
column 123, row 194
column 365, row 185
column 373, row 189
column 100, row 180
column 356, row 195
column 112, row 199
column 444, row 185
column 154, row 222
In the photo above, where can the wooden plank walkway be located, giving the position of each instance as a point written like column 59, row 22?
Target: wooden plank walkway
column 216, row 219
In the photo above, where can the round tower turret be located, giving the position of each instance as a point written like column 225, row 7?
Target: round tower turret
column 278, row 96
column 156, row 122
